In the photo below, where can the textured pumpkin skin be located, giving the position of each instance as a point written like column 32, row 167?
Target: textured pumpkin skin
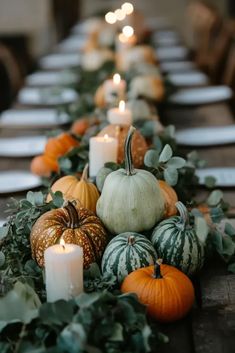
column 53, row 225
column 59, row 145
column 130, row 203
column 167, row 299
column 126, row 253
column 178, row 245
column 73, row 189
column 43, row 165
column 170, row 198
column 139, row 145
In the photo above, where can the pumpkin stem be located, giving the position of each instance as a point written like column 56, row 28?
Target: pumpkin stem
column 85, row 173
column 131, row 240
column 183, row 213
column 73, row 215
column 128, row 157
column 157, row 269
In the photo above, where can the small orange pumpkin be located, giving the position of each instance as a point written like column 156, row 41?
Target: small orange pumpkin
column 59, row 145
column 167, row 292
column 73, row 189
column 138, row 145
column 76, row 225
column 43, row 165
column 170, row 198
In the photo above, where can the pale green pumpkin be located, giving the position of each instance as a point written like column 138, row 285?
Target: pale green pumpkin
column 131, row 200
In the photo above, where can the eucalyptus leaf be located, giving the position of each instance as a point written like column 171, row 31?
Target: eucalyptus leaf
column 151, row 159
column 73, row 338
column 176, row 162
column 202, row 229
column 228, row 246
column 20, row 303
column 229, row 229
column 231, row 267
column 215, row 198
column 166, row 154
column 171, row 176
column 57, row 198
column 4, row 231
column 56, row 313
column 210, row 182
column 157, row 143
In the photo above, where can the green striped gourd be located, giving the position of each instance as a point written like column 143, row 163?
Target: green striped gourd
column 131, row 199
column 126, row 253
column 176, row 241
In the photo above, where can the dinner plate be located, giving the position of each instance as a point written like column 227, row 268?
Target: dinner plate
column 47, row 96
column 206, row 136
column 32, row 118
column 225, row 177
column 51, row 78
column 202, row 95
column 172, row 53
column 24, row 146
column 177, row 66
column 72, row 44
column 2, row 222
column 191, row 78
column 18, row 180
column 59, row 61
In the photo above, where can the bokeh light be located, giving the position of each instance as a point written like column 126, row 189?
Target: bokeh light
column 128, row 8
column 110, row 17
column 120, row 14
column 128, row 31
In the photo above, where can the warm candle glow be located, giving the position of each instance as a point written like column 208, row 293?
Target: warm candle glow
column 128, row 8
column 122, row 38
column 122, row 106
column 128, row 31
column 62, row 243
column 106, row 137
column 116, row 79
column 110, row 17
column 120, row 14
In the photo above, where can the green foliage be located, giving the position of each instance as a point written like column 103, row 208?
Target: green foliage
column 15, row 243
column 96, row 322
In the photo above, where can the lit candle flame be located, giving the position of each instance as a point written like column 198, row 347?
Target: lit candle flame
column 62, row 243
column 128, row 31
column 110, row 17
column 116, row 79
column 128, row 8
column 122, row 106
column 106, row 137
column 122, row 38
column 120, row 14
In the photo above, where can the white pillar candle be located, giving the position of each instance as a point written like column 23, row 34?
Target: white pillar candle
column 102, row 150
column 114, row 89
column 64, row 271
column 120, row 115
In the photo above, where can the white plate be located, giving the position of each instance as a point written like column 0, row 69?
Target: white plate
column 32, row 118
column 72, row 44
column 225, row 177
column 207, row 95
column 47, row 96
column 24, row 146
column 17, row 180
column 191, row 78
column 2, row 221
column 51, row 78
column 59, row 61
column 208, row 136
column 172, row 53
column 177, row 66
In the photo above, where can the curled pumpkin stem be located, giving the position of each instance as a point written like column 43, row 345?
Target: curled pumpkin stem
column 85, row 173
column 183, row 213
column 128, row 156
column 72, row 213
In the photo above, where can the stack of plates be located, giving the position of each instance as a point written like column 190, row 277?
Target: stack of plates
column 59, row 61
column 23, row 146
column 177, row 66
column 225, row 177
column 47, row 96
column 17, row 180
column 191, row 78
column 172, row 53
column 51, row 78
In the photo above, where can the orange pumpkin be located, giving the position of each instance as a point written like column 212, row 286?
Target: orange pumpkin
column 80, row 126
column 170, row 198
column 138, row 145
column 76, row 225
column 167, row 292
column 60, row 145
column 43, row 165
column 73, row 189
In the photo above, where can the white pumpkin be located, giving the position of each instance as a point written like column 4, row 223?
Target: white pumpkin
column 131, row 199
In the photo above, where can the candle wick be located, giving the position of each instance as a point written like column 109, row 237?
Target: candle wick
column 63, row 247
